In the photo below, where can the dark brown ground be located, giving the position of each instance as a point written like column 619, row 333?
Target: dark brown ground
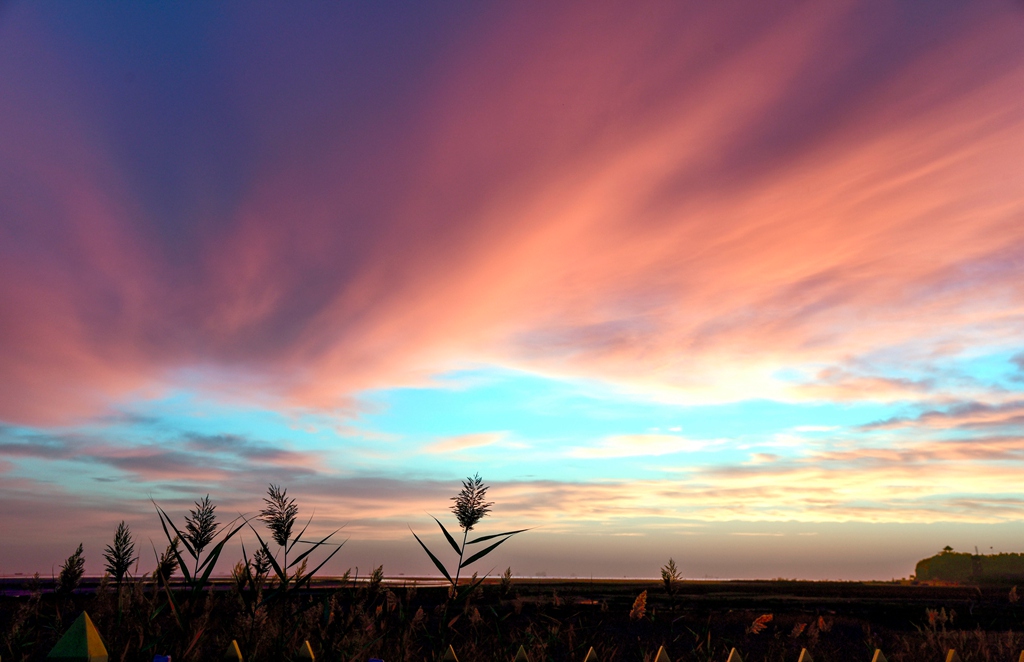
column 553, row 619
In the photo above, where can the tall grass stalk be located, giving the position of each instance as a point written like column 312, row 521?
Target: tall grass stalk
column 201, row 528
column 279, row 515
column 670, row 580
column 470, row 507
column 186, row 608
column 71, row 573
column 121, row 555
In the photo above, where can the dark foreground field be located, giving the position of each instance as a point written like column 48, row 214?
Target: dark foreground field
column 552, row 619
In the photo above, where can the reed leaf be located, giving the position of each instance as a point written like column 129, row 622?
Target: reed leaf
column 211, row 559
column 447, row 535
column 298, row 537
column 315, row 546
column 165, row 520
column 481, row 554
column 309, row 575
column 281, row 574
column 440, row 566
column 494, row 535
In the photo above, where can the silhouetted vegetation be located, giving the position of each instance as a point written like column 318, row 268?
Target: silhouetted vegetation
column 345, row 619
column 950, row 566
column 272, row 604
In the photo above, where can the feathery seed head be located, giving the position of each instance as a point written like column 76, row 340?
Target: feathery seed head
column 201, row 525
column 470, row 506
column 280, row 514
column 639, row 609
column 121, row 555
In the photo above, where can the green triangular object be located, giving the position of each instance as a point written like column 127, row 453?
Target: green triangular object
column 805, row 656
column 81, row 643
column 879, row 656
column 662, row 656
column 521, row 655
column 306, row 651
column 951, row 656
column 449, row 655
column 591, row 656
column 233, row 652
column 734, row 656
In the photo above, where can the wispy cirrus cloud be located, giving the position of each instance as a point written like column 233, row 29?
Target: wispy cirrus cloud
column 837, row 384
column 963, row 416
column 200, row 458
column 776, row 199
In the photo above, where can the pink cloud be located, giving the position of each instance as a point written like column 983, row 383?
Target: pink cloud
column 964, row 416
column 463, row 442
column 680, row 204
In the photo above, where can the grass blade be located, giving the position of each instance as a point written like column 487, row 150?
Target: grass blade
column 211, row 559
column 447, row 535
column 480, row 555
column 468, row 589
column 164, row 521
column 210, row 556
column 440, row 566
column 309, row 575
column 315, row 546
column 273, row 562
column 495, row 535
column 289, row 549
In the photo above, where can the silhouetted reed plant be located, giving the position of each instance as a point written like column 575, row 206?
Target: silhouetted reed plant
column 670, row 579
column 189, row 607
column 71, row 573
column 261, row 595
column 470, row 507
column 280, row 515
column 120, row 556
column 271, row 605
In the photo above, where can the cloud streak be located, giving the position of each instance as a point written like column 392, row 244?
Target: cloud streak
column 463, row 442
column 692, row 206
column 733, row 212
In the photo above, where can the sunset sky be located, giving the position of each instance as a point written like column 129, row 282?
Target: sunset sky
column 739, row 283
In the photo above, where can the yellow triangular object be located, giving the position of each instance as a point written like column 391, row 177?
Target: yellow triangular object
column 521, row 655
column 734, row 656
column 306, row 651
column 951, row 656
column 662, row 656
column 591, row 656
column 449, row 655
column 233, row 652
column 879, row 656
column 805, row 656
column 81, row 643
column 1021, row 658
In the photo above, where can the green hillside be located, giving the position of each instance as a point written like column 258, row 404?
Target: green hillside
column 952, row 566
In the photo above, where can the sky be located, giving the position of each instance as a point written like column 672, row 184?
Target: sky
column 735, row 283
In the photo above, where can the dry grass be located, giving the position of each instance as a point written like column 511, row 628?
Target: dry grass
column 357, row 621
